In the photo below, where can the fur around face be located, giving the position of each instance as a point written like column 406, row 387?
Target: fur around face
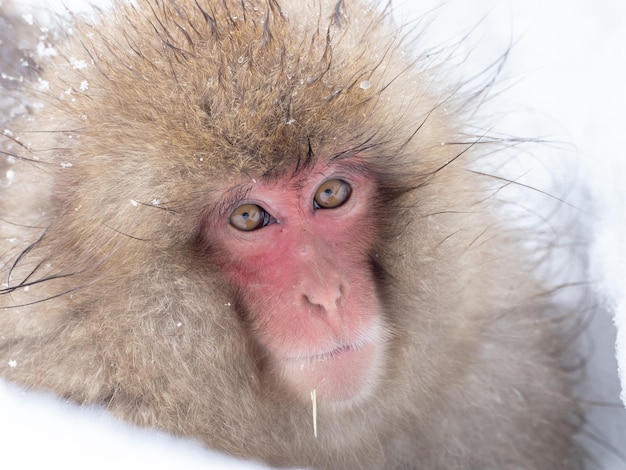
column 110, row 295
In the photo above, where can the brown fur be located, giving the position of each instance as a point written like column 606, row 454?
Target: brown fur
column 109, row 298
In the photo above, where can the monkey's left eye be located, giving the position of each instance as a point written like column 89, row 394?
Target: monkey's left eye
column 248, row 217
column 331, row 194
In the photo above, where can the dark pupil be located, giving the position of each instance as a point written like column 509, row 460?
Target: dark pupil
column 245, row 215
column 328, row 191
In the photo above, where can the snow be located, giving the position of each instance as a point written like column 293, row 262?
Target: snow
column 567, row 69
column 78, row 64
column 44, row 85
column 40, row 431
column 28, row 17
column 46, row 50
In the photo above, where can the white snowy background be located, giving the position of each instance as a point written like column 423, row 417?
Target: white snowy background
column 567, row 70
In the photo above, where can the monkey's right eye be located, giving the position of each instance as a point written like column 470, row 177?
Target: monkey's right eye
column 248, row 217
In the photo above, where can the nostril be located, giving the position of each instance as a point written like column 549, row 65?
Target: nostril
column 308, row 301
column 342, row 293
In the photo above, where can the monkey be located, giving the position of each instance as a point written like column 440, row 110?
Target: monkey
column 256, row 223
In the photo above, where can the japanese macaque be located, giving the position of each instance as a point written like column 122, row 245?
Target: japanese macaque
column 255, row 223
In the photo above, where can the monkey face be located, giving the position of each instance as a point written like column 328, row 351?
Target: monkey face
column 297, row 250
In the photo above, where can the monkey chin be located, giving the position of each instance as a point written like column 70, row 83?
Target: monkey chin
column 342, row 377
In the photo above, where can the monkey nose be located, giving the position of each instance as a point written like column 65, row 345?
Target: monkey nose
column 324, row 299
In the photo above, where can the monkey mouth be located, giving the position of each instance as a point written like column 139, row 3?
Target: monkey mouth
column 344, row 373
column 324, row 356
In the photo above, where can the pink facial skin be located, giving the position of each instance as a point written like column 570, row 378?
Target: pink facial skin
column 306, row 281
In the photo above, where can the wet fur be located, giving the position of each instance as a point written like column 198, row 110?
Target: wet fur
column 109, row 296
